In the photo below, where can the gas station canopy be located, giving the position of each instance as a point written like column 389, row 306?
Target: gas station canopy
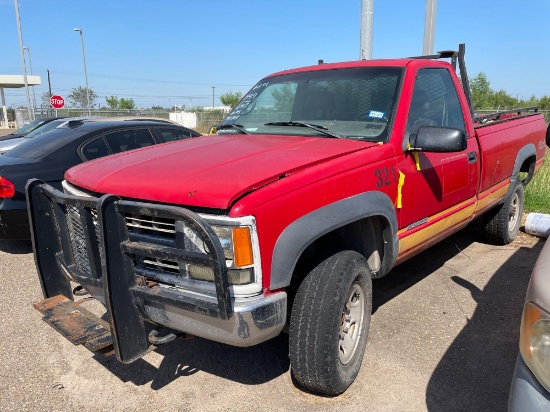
column 14, row 81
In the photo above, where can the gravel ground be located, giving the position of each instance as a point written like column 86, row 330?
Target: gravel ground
column 443, row 337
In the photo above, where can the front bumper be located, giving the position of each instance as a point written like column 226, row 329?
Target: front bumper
column 95, row 247
column 526, row 393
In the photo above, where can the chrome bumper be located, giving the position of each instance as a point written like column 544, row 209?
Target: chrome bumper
column 254, row 320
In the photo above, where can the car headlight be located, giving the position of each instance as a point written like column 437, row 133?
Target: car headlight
column 535, row 342
column 237, row 248
column 236, row 244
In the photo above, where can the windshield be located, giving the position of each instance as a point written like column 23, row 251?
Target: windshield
column 44, row 145
column 356, row 103
column 29, row 127
column 43, row 129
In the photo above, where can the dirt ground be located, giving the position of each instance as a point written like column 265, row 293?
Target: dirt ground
column 444, row 337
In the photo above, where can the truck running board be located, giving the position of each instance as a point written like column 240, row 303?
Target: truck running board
column 78, row 325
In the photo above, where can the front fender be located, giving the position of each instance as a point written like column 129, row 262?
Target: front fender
column 305, row 230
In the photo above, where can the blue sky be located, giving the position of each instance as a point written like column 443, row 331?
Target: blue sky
column 173, row 52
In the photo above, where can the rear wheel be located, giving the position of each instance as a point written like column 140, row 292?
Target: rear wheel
column 502, row 223
column 330, row 323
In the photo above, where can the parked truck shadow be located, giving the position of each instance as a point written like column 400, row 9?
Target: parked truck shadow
column 412, row 271
column 476, row 370
column 250, row 366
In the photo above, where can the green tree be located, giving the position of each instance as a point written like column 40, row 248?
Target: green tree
column 112, row 102
column 501, row 100
column 77, row 97
column 231, row 98
column 481, row 91
column 127, row 103
column 544, row 103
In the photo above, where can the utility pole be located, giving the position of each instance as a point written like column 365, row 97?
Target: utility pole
column 49, row 83
column 213, row 87
column 429, row 27
column 367, row 18
column 31, row 114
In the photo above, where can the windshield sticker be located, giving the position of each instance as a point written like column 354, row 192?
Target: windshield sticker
column 376, row 114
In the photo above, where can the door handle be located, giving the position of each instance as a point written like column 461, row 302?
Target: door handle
column 472, row 157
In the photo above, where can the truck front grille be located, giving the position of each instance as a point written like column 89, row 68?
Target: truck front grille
column 78, row 239
column 150, row 225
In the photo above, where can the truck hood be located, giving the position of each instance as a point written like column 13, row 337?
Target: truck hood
column 209, row 171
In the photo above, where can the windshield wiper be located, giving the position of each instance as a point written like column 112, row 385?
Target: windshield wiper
column 316, row 127
column 235, row 126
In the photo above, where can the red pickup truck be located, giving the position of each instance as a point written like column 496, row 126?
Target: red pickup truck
column 321, row 179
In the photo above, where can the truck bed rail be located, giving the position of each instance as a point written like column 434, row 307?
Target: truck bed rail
column 506, row 114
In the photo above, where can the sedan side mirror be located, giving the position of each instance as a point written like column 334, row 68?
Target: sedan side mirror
column 438, row 139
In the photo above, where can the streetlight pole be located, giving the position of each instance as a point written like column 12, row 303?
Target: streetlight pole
column 85, row 72
column 30, row 64
column 23, row 59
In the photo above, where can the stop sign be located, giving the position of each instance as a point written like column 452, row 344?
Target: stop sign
column 57, row 101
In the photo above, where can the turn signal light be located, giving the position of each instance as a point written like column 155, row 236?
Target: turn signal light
column 7, row 188
column 242, row 247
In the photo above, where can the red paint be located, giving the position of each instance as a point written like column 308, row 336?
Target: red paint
column 57, row 102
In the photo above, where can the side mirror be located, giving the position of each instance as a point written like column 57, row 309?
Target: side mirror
column 438, row 139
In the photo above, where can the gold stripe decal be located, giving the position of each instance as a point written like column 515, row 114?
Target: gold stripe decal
column 416, row 240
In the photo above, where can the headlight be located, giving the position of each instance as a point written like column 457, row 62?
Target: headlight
column 237, row 249
column 236, row 244
column 535, row 342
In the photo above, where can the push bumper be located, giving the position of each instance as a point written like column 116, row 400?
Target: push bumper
column 96, row 248
column 526, row 393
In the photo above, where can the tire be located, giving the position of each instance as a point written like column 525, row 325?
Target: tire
column 330, row 323
column 502, row 224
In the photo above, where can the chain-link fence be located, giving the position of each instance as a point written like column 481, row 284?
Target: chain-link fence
column 205, row 119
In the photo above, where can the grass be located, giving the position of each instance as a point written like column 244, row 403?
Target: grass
column 537, row 192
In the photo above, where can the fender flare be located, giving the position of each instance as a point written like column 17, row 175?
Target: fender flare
column 524, row 153
column 304, row 231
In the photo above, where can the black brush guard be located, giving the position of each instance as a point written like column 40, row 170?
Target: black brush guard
column 98, row 256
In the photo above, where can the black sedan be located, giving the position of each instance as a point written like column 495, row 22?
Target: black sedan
column 29, row 127
column 48, row 156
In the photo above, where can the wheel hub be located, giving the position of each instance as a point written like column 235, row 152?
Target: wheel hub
column 351, row 322
column 513, row 214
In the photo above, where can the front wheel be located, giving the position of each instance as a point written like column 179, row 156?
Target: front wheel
column 330, row 323
column 502, row 223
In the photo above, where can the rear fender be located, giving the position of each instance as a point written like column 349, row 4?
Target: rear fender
column 524, row 153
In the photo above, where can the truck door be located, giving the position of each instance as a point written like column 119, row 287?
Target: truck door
column 438, row 190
